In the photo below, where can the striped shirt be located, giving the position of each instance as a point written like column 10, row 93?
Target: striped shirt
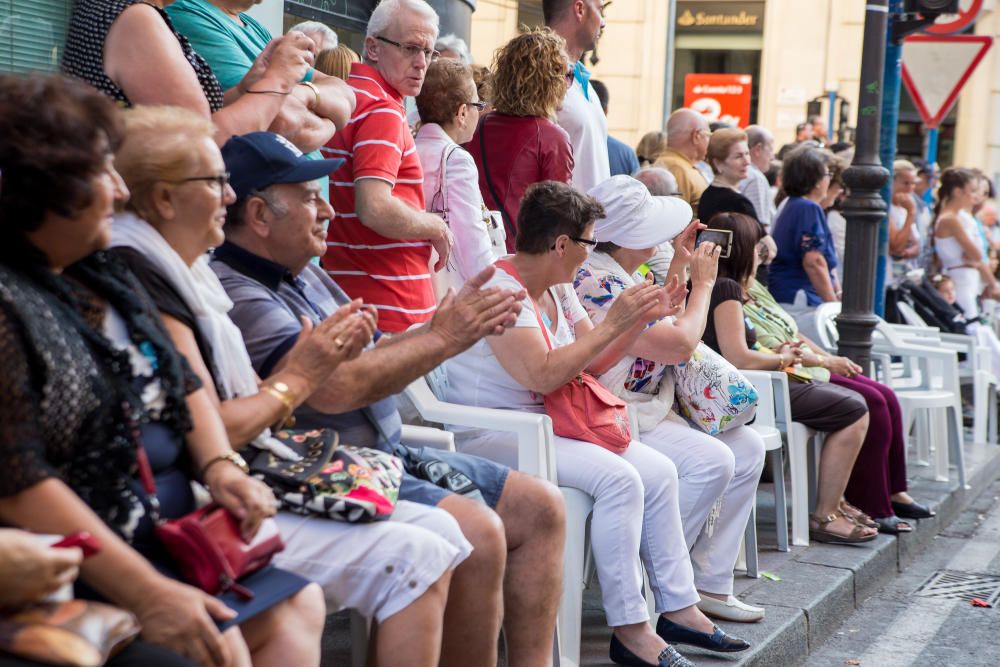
column 392, row 274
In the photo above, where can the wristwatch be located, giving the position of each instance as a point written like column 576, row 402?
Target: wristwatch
column 231, row 456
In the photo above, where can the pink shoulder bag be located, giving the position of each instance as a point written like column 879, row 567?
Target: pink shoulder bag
column 583, row 408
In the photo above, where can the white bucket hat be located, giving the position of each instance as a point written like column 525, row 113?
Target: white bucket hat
column 635, row 219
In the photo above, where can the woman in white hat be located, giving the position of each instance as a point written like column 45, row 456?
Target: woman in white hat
column 634, row 488
column 717, row 475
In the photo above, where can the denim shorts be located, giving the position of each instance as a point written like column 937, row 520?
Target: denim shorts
column 490, row 477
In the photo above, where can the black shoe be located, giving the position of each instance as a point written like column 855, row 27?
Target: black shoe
column 893, row 525
column 912, row 510
column 620, row 655
column 717, row 641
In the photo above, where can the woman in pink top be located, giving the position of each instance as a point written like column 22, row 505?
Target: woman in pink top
column 518, row 143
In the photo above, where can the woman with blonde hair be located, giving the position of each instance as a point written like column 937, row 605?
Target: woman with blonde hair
column 519, row 143
column 337, row 61
column 650, row 147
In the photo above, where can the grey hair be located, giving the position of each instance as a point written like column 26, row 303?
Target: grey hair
column 659, row 181
column 453, row 42
column 329, row 37
column 388, row 11
column 757, row 135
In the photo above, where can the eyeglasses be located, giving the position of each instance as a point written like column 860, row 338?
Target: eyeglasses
column 412, row 50
column 220, row 180
column 589, row 244
column 480, row 106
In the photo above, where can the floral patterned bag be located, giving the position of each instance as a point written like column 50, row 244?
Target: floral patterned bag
column 712, row 393
column 332, row 480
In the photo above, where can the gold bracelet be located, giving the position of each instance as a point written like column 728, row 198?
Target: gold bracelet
column 312, row 86
column 283, row 393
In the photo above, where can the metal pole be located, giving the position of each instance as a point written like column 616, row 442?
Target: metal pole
column 891, row 83
column 831, row 96
column 864, row 208
column 668, row 63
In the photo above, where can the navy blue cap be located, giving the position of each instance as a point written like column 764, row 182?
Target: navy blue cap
column 260, row 159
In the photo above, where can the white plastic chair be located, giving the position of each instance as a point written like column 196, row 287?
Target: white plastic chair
column 765, row 425
column 927, row 381
column 977, row 370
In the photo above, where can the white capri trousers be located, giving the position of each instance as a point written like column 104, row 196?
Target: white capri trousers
column 376, row 568
column 636, row 515
column 717, row 488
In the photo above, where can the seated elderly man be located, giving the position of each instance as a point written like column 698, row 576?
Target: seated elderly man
column 273, row 230
column 660, row 183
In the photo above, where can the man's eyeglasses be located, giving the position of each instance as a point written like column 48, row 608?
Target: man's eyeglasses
column 412, row 50
column 220, row 180
column 589, row 244
column 480, row 106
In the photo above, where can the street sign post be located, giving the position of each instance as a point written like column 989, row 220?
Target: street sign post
column 935, row 68
column 720, row 97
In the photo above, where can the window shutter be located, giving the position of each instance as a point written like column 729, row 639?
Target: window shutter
column 32, row 33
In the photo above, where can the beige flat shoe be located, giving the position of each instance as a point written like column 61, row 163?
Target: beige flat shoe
column 730, row 610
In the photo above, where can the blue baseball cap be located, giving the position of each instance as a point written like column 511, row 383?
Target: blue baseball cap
column 260, row 159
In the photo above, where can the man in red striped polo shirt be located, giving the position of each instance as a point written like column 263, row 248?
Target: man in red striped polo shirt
column 379, row 245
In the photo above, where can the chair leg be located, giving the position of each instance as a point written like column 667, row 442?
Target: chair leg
column 992, row 424
column 578, row 508
column 750, row 545
column 780, row 504
column 980, row 402
column 942, row 442
column 800, row 490
column 956, row 443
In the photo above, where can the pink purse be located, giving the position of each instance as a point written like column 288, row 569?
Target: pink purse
column 583, row 408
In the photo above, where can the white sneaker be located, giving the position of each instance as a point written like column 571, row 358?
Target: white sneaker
column 730, row 610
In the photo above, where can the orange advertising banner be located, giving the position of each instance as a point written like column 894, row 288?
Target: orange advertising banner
column 719, row 97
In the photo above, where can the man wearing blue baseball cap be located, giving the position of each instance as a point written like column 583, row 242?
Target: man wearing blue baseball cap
column 273, row 230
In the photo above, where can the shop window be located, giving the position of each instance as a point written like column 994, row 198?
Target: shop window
column 32, row 33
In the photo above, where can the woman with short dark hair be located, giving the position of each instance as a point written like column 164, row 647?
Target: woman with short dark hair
column 839, row 412
column 636, row 508
column 802, row 271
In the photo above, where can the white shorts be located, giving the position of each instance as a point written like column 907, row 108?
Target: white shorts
column 376, row 568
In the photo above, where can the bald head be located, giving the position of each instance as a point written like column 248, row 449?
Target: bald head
column 659, row 181
column 688, row 133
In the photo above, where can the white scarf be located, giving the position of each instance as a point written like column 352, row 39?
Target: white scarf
column 201, row 291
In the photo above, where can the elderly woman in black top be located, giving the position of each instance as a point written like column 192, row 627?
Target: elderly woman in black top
column 88, row 376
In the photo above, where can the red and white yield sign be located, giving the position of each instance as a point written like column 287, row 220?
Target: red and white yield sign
column 936, row 67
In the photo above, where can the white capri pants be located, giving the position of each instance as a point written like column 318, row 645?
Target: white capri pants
column 376, row 568
column 636, row 515
column 718, row 485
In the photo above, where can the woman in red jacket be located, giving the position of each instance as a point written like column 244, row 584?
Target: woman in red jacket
column 519, row 143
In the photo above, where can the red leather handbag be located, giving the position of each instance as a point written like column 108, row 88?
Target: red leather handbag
column 583, row 408
column 212, row 554
column 207, row 544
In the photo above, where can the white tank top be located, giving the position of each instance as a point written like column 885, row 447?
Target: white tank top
column 949, row 249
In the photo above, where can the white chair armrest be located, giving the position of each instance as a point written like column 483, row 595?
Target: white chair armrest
column 765, row 396
column 426, row 436
column 535, row 454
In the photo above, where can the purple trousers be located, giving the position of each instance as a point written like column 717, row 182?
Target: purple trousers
column 880, row 469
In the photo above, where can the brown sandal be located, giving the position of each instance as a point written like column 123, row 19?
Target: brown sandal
column 856, row 515
column 820, row 534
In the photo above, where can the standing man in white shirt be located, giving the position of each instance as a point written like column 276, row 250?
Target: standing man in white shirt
column 580, row 23
column 755, row 187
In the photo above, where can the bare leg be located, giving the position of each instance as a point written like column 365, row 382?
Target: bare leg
column 839, row 452
column 412, row 636
column 534, row 519
column 289, row 633
column 475, row 601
